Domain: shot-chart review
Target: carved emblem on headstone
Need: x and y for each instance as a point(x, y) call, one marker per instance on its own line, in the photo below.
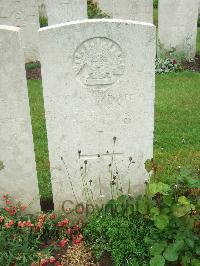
point(98, 62)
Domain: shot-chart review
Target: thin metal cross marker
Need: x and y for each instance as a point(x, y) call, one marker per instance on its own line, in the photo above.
point(100, 154)
point(97, 156)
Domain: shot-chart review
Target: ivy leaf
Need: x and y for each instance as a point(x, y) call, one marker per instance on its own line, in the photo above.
point(170, 253)
point(161, 221)
point(158, 248)
point(158, 260)
point(180, 210)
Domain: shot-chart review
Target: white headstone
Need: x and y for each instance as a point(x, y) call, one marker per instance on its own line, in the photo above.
point(139, 10)
point(23, 14)
point(177, 26)
point(99, 100)
point(18, 169)
point(61, 11)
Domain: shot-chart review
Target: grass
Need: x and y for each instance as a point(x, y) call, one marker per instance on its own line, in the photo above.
point(177, 117)
point(40, 137)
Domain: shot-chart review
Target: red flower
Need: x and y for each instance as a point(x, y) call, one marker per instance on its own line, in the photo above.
point(1, 219)
point(76, 227)
point(65, 221)
point(63, 242)
point(43, 262)
point(52, 259)
point(53, 216)
point(78, 240)
point(69, 231)
point(174, 62)
point(7, 209)
point(5, 197)
point(7, 225)
point(11, 222)
point(8, 202)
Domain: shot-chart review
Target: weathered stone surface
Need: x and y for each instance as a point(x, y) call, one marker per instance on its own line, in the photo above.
point(98, 80)
point(20, 14)
point(177, 27)
point(61, 11)
point(139, 10)
point(18, 170)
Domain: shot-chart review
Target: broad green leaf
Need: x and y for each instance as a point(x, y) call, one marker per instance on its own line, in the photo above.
point(195, 262)
point(158, 248)
point(178, 244)
point(158, 260)
point(183, 200)
point(168, 200)
point(159, 187)
point(189, 242)
point(161, 221)
point(170, 253)
point(154, 211)
point(180, 210)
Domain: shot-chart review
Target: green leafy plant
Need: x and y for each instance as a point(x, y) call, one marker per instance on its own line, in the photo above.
point(166, 65)
point(119, 230)
point(158, 228)
point(43, 22)
point(174, 210)
point(94, 11)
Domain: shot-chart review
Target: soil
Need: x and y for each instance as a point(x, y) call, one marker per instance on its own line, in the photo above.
point(106, 260)
point(192, 66)
point(34, 73)
point(47, 205)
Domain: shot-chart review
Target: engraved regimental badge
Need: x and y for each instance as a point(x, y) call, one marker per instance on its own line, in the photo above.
point(98, 62)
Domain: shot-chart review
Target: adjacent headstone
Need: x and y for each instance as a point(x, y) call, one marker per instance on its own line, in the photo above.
point(42, 8)
point(17, 160)
point(61, 11)
point(177, 27)
point(99, 102)
point(139, 10)
point(23, 14)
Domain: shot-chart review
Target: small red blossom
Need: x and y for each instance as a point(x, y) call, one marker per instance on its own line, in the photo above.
point(52, 259)
point(69, 231)
point(43, 262)
point(53, 216)
point(5, 197)
point(8, 202)
point(76, 227)
point(7, 209)
point(63, 242)
point(174, 62)
point(1, 219)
